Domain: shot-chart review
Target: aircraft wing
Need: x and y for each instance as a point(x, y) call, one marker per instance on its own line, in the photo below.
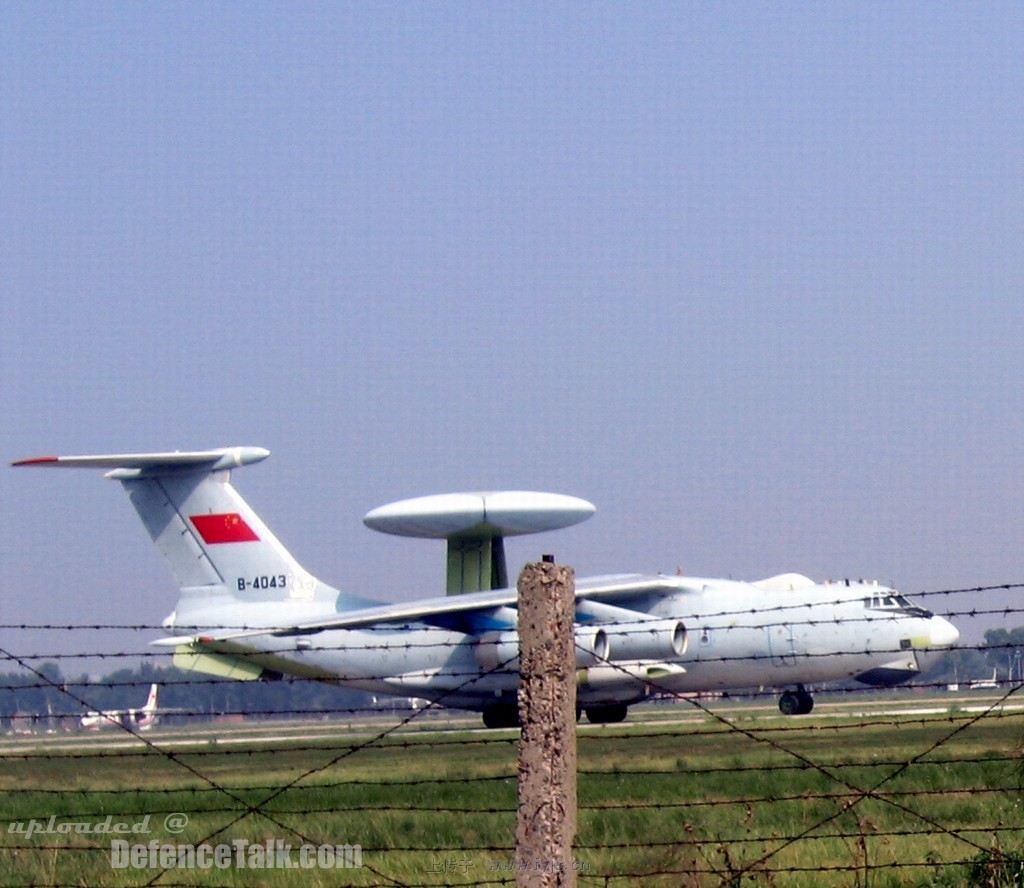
point(444, 610)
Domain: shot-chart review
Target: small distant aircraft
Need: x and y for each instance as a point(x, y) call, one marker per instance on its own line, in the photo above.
point(140, 719)
point(985, 684)
point(248, 610)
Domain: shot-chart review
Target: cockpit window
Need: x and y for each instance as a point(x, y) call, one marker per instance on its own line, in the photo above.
point(896, 603)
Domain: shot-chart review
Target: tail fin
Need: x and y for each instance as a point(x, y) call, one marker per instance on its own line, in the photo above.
point(232, 571)
point(148, 716)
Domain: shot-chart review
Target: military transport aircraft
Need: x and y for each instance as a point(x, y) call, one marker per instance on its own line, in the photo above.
point(138, 719)
point(248, 610)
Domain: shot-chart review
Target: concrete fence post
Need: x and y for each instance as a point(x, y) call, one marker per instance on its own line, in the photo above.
point(546, 823)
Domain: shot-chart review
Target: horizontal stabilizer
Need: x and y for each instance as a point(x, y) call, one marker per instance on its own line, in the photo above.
point(154, 463)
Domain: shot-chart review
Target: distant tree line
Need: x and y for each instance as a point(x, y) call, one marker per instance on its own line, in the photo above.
point(188, 694)
point(1002, 654)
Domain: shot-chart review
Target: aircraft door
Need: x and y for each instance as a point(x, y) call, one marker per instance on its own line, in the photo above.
point(781, 644)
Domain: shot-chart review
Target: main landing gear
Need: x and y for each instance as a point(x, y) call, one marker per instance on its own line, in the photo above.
point(506, 715)
point(607, 715)
point(797, 702)
point(501, 715)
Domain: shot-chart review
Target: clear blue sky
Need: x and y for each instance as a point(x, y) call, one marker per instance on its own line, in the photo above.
point(746, 276)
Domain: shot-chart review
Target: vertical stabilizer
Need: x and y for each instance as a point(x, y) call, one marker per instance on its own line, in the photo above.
point(148, 716)
point(232, 571)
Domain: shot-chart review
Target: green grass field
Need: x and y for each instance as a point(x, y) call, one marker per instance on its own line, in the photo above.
point(752, 801)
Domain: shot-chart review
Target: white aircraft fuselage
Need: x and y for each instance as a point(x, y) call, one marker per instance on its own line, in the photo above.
point(737, 636)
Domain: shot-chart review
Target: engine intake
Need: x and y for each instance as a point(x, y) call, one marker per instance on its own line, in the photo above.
point(500, 650)
point(645, 640)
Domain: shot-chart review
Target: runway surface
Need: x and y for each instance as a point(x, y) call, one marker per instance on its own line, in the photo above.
point(361, 728)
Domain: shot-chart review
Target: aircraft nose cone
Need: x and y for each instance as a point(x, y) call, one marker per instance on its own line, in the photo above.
point(943, 633)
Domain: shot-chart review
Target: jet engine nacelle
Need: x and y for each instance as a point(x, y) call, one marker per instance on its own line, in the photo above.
point(645, 640)
point(623, 681)
point(500, 650)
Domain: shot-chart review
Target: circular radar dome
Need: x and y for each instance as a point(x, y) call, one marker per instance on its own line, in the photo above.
point(497, 514)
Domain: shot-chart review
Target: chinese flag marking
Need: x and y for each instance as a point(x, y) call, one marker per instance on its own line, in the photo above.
point(226, 528)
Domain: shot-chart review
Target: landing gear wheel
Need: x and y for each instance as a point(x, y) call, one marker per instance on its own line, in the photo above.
point(788, 704)
point(606, 715)
point(501, 715)
point(797, 702)
point(806, 702)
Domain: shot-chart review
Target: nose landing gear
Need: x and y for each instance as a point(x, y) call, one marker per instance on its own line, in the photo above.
point(798, 702)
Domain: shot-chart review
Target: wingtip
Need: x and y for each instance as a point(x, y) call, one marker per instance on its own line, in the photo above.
point(36, 461)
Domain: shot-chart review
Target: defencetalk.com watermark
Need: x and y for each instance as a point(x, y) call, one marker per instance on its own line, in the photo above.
point(236, 854)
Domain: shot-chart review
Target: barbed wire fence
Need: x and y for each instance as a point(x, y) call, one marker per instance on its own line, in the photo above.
point(709, 795)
